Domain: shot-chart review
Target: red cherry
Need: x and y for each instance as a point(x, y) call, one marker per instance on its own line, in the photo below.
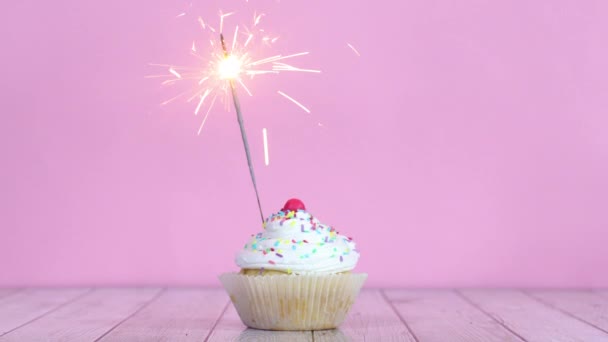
point(293, 205)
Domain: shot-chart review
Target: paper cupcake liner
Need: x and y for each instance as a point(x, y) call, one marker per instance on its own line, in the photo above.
point(293, 302)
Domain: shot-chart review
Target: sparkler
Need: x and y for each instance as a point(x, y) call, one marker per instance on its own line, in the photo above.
point(226, 70)
point(230, 67)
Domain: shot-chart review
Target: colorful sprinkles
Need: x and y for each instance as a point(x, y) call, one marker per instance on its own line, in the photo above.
point(320, 235)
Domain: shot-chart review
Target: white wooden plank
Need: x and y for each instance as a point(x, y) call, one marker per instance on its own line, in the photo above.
point(370, 318)
point(336, 335)
point(601, 292)
point(584, 305)
point(531, 319)
point(7, 292)
point(442, 315)
point(26, 306)
point(230, 328)
point(86, 318)
point(177, 315)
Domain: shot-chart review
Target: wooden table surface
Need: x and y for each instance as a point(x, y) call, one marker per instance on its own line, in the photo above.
point(199, 314)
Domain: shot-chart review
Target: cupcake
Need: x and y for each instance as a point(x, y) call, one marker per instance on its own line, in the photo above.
point(295, 275)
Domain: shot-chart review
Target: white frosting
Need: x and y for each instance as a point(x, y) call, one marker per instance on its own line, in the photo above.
point(296, 242)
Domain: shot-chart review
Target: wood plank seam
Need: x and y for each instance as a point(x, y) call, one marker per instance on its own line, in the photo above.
point(499, 321)
point(392, 306)
point(569, 314)
point(70, 301)
point(143, 306)
point(219, 318)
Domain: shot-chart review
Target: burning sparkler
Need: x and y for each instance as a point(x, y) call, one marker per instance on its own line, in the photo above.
point(230, 70)
point(225, 69)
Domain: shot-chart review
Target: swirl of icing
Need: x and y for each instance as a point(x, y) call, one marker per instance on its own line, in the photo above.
point(293, 241)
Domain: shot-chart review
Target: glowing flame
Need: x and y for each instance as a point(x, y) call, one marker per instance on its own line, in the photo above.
point(229, 68)
point(222, 67)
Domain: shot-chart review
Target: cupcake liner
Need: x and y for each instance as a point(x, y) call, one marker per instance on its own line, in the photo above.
point(293, 302)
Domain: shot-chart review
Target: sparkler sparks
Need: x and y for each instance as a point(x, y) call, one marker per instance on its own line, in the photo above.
point(294, 101)
point(223, 70)
point(354, 50)
point(265, 134)
point(229, 68)
point(212, 79)
point(175, 73)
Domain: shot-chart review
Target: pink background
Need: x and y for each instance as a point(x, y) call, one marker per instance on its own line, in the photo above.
point(467, 146)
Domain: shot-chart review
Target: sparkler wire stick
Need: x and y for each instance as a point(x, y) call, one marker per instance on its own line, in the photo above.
point(239, 117)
